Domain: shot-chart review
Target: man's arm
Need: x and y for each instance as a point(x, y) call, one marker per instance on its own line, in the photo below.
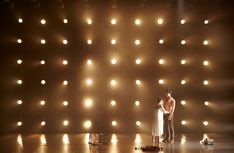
point(172, 110)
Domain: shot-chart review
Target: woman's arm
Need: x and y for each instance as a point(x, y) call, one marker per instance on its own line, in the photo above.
point(163, 109)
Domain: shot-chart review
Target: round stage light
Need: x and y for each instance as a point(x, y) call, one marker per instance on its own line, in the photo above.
point(89, 41)
point(113, 82)
point(65, 41)
point(43, 123)
point(114, 123)
point(160, 21)
point(20, 20)
point(65, 21)
point(182, 21)
point(161, 41)
point(43, 82)
point(113, 41)
point(205, 42)
point(19, 123)
point(89, 62)
point(183, 62)
point(65, 103)
point(42, 62)
point(89, 21)
point(42, 102)
point(161, 81)
point(205, 123)
point(205, 63)
point(113, 102)
point(43, 21)
point(183, 122)
point(206, 103)
point(138, 82)
point(113, 61)
point(65, 82)
point(65, 62)
point(88, 102)
point(87, 124)
point(19, 81)
point(137, 22)
point(205, 82)
point(43, 41)
point(138, 123)
point(183, 42)
point(137, 103)
point(183, 102)
point(183, 82)
point(161, 61)
point(19, 102)
point(137, 42)
point(65, 122)
point(19, 41)
point(113, 21)
point(89, 82)
point(138, 61)
point(206, 21)
point(19, 61)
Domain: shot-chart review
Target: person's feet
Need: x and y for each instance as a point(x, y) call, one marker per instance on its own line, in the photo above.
point(172, 141)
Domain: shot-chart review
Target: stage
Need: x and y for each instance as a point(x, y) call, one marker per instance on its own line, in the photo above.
point(113, 143)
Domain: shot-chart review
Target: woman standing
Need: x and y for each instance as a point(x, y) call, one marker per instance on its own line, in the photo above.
point(157, 129)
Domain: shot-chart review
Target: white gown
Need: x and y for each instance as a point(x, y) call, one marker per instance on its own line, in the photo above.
point(157, 129)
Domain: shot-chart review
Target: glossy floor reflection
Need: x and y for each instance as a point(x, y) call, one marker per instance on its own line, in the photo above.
point(115, 143)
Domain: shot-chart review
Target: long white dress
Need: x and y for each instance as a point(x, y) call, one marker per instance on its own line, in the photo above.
point(157, 129)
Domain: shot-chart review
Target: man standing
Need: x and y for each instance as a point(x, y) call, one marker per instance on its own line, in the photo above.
point(169, 105)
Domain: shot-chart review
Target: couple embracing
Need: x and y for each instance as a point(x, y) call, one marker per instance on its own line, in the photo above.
point(163, 119)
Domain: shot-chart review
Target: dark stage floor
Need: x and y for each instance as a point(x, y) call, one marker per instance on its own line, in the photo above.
point(119, 143)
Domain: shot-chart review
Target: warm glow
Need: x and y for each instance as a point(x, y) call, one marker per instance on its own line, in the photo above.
point(161, 61)
point(183, 82)
point(182, 21)
point(65, 103)
point(87, 124)
point(183, 122)
point(113, 21)
point(137, 103)
point(206, 21)
point(137, 21)
point(43, 81)
point(43, 123)
point(65, 41)
point(88, 102)
point(161, 81)
point(42, 62)
point(19, 61)
point(113, 41)
point(160, 21)
point(43, 21)
point(205, 42)
point(206, 103)
point(42, 102)
point(138, 82)
point(19, 102)
point(114, 139)
point(89, 41)
point(138, 123)
point(89, 21)
point(183, 102)
point(161, 41)
point(43, 139)
point(20, 20)
point(19, 41)
point(205, 123)
point(89, 82)
point(65, 139)
point(19, 81)
point(138, 139)
point(138, 61)
point(137, 42)
point(183, 62)
point(19, 123)
point(89, 62)
point(205, 82)
point(205, 63)
point(65, 82)
point(183, 42)
point(114, 123)
point(43, 41)
point(113, 103)
point(113, 83)
point(65, 122)
point(65, 21)
point(113, 61)
point(65, 62)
